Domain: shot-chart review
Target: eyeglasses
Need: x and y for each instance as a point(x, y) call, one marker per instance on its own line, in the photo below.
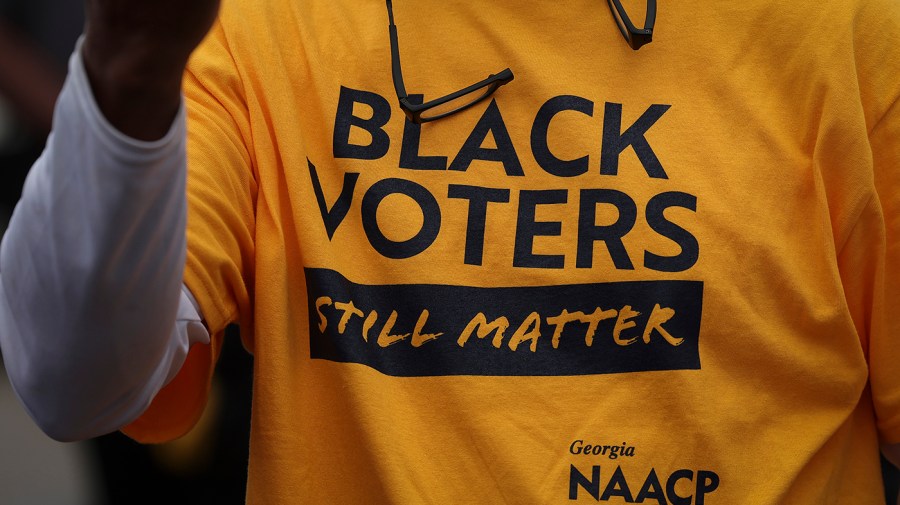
point(463, 99)
point(636, 37)
point(446, 105)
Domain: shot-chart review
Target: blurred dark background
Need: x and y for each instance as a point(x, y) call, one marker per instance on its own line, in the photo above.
point(36, 38)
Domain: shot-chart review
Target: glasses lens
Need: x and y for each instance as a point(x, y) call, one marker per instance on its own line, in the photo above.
point(457, 103)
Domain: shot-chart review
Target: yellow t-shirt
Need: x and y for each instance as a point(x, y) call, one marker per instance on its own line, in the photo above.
point(661, 277)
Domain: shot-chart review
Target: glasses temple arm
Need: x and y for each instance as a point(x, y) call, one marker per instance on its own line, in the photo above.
point(396, 71)
point(650, 19)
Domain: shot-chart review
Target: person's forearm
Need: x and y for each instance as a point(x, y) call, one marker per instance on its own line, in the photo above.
point(91, 270)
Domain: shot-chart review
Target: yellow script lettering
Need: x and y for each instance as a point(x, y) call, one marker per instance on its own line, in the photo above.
point(530, 329)
point(657, 318)
point(419, 338)
point(560, 322)
point(593, 321)
point(368, 323)
point(322, 301)
point(623, 323)
point(480, 323)
point(385, 338)
point(349, 310)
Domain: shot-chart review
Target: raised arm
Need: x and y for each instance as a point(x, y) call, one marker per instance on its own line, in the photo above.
point(91, 266)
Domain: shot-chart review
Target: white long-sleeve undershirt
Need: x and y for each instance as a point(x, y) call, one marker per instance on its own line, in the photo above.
point(94, 318)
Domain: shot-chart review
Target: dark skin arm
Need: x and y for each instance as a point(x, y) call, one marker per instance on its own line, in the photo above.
point(135, 53)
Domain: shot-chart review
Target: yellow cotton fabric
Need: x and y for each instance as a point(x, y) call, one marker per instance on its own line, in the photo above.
point(783, 123)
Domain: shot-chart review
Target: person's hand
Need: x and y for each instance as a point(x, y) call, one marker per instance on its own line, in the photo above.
point(135, 52)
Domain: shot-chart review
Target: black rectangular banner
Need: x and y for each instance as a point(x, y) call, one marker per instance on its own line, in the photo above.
point(417, 330)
